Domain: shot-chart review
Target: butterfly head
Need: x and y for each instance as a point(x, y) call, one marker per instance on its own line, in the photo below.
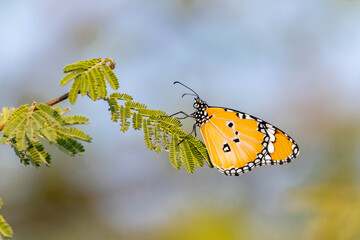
point(200, 115)
point(199, 104)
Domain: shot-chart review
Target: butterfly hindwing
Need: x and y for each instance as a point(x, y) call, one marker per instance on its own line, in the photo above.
point(238, 142)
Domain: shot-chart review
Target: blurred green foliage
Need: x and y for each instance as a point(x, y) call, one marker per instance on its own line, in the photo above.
point(331, 199)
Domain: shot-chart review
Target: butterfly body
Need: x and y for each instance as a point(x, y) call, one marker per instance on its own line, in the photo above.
point(237, 142)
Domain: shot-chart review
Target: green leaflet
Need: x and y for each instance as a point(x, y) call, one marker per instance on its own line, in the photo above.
point(174, 152)
point(50, 114)
point(37, 154)
point(48, 133)
point(84, 85)
point(137, 120)
point(14, 120)
point(90, 77)
point(147, 137)
point(81, 65)
point(27, 124)
point(67, 78)
point(114, 109)
point(125, 113)
point(5, 229)
point(69, 145)
point(20, 134)
point(121, 96)
point(200, 147)
point(198, 160)
point(110, 76)
point(93, 86)
point(100, 80)
point(6, 112)
point(165, 140)
point(187, 157)
point(76, 133)
point(152, 113)
point(74, 90)
point(76, 119)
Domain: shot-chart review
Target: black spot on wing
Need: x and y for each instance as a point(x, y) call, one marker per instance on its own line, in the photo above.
point(226, 148)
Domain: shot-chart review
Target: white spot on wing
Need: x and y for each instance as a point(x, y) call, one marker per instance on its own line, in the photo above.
point(272, 136)
point(271, 147)
point(267, 157)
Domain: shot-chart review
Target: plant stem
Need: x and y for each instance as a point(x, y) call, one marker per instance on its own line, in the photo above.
point(57, 100)
point(50, 103)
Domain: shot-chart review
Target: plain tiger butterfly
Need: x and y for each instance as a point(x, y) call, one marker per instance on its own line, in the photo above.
point(236, 141)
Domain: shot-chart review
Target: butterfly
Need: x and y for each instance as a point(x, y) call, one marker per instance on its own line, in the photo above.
point(238, 142)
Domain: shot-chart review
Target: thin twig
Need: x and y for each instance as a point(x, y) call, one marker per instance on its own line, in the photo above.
point(57, 100)
point(50, 103)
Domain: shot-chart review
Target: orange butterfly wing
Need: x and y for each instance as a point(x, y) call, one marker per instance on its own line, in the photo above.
point(238, 142)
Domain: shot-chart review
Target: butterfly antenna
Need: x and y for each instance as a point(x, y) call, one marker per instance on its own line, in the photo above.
point(187, 88)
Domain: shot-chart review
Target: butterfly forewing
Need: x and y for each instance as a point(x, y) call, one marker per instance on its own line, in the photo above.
point(237, 142)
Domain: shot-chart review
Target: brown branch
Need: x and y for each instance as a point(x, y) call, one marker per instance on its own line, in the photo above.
point(50, 103)
point(57, 100)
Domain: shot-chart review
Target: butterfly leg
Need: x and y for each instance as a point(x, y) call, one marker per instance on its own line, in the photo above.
point(181, 112)
point(193, 131)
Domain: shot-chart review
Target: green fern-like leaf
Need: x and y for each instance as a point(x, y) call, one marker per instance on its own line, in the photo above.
point(37, 154)
point(125, 113)
point(137, 120)
point(110, 76)
point(158, 128)
point(200, 147)
point(147, 138)
point(28, 124)
point(198, 159)
point(5, 229)
point(93, 85)
point(76, 119)
point(67, 78)
point(48, 133)
point(81, 65)
point(174, 152)
point(20, 134)
point(90, 77)
point(152, 113)
point(100, 80)
point(136, 105)
point(6, 112)
point(69, 145)
point(84, 85)
point(76, 133)
point(158, 148)
point(74, 91)
point(50, 114)
point(121, 96)
point(114, 109)
point(165, 140)
point(187, 157)
point(15, 119)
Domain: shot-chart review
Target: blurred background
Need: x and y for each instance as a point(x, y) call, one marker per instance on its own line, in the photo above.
point(294, 64)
